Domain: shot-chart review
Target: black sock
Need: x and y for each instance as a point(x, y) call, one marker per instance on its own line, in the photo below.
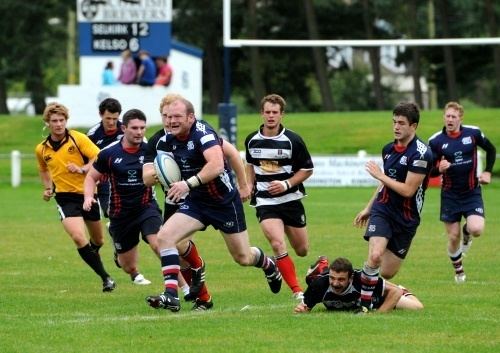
point(95, 247)
point(93, 260)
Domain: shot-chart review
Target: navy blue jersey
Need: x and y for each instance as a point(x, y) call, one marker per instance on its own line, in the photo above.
point(415, 158)
point(129, 195)
point(276, 158)
point(461, 152)
point(100, 138)
point(319, 291)
point(189, 156)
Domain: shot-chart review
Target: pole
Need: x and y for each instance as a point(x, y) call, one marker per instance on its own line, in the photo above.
point(15, 164)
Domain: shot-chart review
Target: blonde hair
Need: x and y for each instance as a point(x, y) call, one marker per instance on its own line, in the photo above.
point(456, 106)
point(168, 99)
point(55, 108)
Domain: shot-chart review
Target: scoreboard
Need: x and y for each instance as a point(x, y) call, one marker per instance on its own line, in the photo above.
point(107, 27)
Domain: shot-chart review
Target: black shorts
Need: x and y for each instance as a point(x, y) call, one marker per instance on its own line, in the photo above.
point(126, 232)
point(454, 206)
point(291, 213)
point(400, 237)
point(70, 204)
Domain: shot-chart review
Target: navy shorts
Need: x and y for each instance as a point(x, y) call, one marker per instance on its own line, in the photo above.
point(103, 197)
point(291, 213)
point(229, 218)
point(400, 237)
point(70, 204)
point(126, 232)
point(454, 206)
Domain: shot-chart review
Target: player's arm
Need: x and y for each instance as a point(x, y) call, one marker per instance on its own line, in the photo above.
point(48, 191)
point(491, 153)
point(392, 294)
point(213, 167)
point(149, 174)
point(236, 163)
point(89, 184)
point(406, 189)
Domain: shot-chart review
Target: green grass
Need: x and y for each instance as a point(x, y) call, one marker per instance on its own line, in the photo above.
point(324, 133)
point(51, 302)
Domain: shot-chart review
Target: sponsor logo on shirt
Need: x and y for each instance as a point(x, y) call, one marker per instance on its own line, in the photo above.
point(403, 160)
point(467, 140)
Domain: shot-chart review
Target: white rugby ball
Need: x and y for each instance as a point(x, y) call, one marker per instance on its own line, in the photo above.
point(167, 170)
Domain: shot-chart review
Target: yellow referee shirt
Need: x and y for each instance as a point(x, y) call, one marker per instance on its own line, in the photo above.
point(75, 148)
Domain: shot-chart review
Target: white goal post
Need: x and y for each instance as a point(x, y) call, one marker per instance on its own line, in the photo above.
point(230, 42)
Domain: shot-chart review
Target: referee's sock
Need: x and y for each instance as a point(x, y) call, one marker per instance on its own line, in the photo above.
point(92, 259)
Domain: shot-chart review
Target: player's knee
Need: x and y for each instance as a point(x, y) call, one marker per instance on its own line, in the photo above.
point(302, 251)
point(475, 230)
point(242, 259)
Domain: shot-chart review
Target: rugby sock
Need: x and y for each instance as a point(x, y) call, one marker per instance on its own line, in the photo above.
point(186, 273)
point(456, 261)
point(95, 247)
point(170, 269)
point(192, 256)
point(264, 262)
point(369, 279)
point(287, 268)
point(92, 259)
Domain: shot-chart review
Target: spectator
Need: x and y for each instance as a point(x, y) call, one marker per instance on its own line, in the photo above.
point(164, 71)
point(128, 69)
point(108, 77)
point(147, 71)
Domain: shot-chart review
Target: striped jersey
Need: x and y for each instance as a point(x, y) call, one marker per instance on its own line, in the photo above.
point(102, 139)
point(276, 158)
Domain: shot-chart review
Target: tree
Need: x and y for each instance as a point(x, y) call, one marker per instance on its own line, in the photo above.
point(374, 53)
point(319, 58)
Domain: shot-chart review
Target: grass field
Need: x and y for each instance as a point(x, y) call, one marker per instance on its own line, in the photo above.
point(50, 302)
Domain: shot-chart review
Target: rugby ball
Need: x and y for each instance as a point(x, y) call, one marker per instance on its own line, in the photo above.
point(167, 170)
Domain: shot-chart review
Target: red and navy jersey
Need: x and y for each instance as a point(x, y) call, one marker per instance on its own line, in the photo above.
point(319, 291)
point(101, 139)
point(276, 158)
point(415, 158)
point(188, 154)
point(129, 195)
point(461, 151)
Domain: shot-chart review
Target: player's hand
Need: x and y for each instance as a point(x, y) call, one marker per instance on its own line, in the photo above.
point(485, 178)
point(87, 203)
point(374, 170)
point(178, 191)
point(443, 165)
point(47, 194)
point(245, 192)
point(73, 168)
point(361, 218)
point(277, 187)
point(301, 308)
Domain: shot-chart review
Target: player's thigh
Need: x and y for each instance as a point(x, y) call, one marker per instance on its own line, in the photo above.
point(75, 227)
point(273, 229)
point(239, 247)
point(390, 264)
point(299, 239)
point(95, 231)
point(177, 228)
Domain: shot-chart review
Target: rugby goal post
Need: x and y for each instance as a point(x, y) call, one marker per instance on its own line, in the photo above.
point(236, 43)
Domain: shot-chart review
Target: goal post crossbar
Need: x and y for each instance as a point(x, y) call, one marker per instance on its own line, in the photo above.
point(230, 42)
